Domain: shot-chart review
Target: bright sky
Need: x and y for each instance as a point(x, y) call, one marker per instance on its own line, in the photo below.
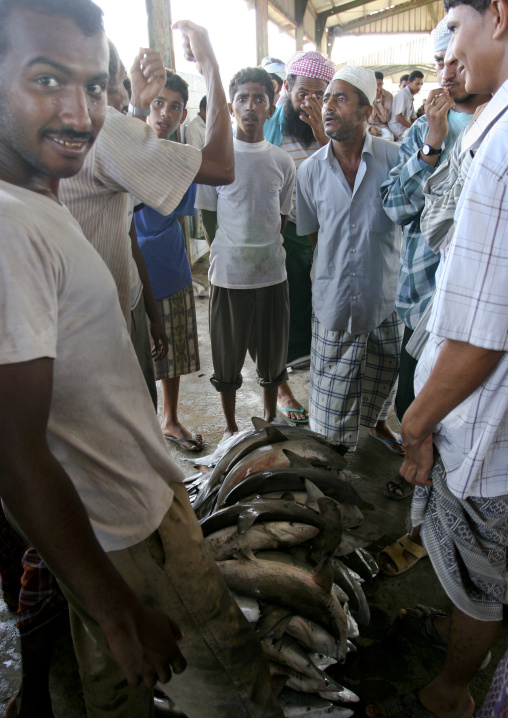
point(232, 31)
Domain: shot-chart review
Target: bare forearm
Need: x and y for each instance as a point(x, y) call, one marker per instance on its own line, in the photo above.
point(460, 369)
point(148, 298)
point(218, 165)
point(402, 120)
point(313, 239)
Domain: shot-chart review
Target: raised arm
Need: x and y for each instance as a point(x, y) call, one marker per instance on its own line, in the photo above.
point(41, 497)
point(218, 163)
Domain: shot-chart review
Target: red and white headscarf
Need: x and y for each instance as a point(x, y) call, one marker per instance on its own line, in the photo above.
point(310, 64)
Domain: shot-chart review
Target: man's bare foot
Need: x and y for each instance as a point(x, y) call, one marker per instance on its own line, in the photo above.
point(175, 431)
point(19, 708)
point(228, 433)
point(441, 624)
point(392, 440)
point(286, 400)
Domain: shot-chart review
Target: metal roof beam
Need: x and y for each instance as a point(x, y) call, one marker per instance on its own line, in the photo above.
point(342, 8)
point(339, 30)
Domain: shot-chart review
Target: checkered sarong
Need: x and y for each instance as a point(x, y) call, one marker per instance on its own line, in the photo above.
point(353, 378)
point(40, 598)
point(467, 543)
point(178, 314)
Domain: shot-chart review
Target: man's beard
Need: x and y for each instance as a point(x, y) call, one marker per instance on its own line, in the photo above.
point(296, 128)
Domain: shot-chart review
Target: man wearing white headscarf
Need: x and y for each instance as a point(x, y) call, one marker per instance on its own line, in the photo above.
point(428, 143)
point(356, 333)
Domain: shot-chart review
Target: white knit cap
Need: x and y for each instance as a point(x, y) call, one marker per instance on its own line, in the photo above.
point(441, 35)
point(360, 77)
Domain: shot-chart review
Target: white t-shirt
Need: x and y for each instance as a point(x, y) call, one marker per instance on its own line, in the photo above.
point(59, 300)
point(247, 251)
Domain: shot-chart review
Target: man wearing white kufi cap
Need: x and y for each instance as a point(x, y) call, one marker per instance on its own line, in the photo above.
point(356, 333)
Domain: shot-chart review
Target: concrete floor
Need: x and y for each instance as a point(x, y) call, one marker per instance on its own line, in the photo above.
point(384, 664)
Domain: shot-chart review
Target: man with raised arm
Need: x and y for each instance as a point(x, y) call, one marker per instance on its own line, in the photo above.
point(79, 475)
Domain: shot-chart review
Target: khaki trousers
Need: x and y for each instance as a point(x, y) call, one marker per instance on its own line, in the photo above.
point(172, 571)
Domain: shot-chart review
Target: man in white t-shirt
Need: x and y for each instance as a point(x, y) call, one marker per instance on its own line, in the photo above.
point(403, 111)
point(78, 475)
point(249, 301)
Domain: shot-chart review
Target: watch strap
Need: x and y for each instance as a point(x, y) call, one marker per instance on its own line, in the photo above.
point(138, 111)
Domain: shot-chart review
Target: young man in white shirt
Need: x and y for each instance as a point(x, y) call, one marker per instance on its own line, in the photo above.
point(249, 302)
point(77, 473)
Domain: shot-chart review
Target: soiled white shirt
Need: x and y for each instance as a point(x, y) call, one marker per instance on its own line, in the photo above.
point(356, 261)
point(403, 104)
point(195, 132)
point(471, 305)
point(126, 157)
point(247, 251)
point(58, 300)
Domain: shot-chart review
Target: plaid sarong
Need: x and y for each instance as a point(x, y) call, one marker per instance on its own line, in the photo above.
point(40, 598)
point(178, 315)
point(353, 378)
point(467, 543)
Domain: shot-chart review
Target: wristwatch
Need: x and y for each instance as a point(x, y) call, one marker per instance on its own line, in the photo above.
point(428, 150)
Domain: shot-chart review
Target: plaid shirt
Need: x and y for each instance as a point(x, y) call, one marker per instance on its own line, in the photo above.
point(471, 305)
point(403, 200)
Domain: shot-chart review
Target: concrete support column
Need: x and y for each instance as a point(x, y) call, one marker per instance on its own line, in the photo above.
point(300, 7)
point(261, 29)
point(160, 34)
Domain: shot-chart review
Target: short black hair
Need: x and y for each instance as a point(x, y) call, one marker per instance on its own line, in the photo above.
point(114, 62)
point(403, 78)
point(363, 100)
point(277, 79)
point(379, 75)
point(128, 86)
point(252, 74)
point(85, 13)
point(478, 5)
point(415, 74)
point(177, 84)
point(202, 103)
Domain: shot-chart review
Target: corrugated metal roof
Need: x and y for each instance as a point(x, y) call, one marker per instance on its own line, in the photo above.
point(357, 17)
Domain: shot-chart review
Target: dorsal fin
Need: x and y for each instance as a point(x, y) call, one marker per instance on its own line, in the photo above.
point(244, 554)
point(246, 519)
point(297, 462)
point(323, 575)
point(313, 493)
point(259, 423)
point(274, 435)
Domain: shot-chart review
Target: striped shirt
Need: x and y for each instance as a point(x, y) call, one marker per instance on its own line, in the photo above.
point(127, 157)
point(299, 153)
point(471, 306)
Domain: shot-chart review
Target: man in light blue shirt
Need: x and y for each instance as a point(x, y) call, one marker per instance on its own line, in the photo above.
point(356, 332)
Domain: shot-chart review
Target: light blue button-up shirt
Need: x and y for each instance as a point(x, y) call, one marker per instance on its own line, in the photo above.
point(356, 262)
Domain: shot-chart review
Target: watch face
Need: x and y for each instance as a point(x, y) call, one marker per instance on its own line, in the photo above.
point(425, 149)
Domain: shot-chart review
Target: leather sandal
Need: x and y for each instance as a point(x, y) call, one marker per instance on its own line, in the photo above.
point(395, 551)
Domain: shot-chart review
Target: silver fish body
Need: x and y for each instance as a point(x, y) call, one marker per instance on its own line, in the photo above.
point(226, 542)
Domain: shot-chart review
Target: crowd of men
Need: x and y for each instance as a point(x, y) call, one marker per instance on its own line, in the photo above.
point(306, 205)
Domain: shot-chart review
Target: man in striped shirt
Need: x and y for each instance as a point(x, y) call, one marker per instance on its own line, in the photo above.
point(297, 127)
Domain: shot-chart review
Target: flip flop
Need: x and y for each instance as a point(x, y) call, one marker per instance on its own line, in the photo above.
point(183, 441)
point(390, 442)
point(399, 483)
point(418, 626)
point(407, 706)
point(395, 551)
point(301, 410)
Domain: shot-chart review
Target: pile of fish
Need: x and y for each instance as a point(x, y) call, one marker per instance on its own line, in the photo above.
point(277, 506)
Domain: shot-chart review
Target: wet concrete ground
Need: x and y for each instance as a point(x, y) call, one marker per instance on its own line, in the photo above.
point(385, 664)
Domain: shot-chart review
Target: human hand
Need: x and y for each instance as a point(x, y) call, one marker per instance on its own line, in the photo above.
point(374, 131)
point(144, 644)
point(379, 93)
point(148, 76)
point(312, 108)
point(161, 342)
point(196, 45)
point(419, 458)
point(438, 104)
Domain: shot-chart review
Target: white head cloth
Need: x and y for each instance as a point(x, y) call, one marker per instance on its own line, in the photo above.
point(441, 35)
point(277, 68)
point(360, 77)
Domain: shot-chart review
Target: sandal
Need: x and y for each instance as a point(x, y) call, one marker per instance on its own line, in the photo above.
point(418, 626)
point(400, 484)
point(395, 552)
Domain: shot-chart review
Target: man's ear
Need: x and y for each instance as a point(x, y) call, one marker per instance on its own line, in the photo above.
point(270, 112)
point(184, 116)
point(499, 11)
point(366, 112)
point(285, 85)
point(230, 108)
